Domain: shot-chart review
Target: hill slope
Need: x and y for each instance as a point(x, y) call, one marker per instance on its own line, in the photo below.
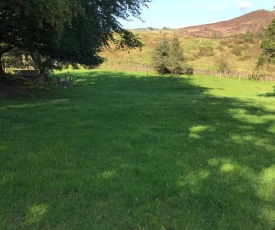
point(252, 22)
point(203, 50)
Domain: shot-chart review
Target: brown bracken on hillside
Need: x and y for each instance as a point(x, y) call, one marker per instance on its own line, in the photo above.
point(251, 22)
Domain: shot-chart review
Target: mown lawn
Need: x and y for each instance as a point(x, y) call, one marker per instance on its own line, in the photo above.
point(127, 151)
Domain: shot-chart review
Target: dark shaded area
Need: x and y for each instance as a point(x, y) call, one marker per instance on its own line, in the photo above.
point(153, 152)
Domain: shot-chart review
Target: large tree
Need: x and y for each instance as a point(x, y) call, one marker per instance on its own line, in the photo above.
point(66, 30)
point(268, 46)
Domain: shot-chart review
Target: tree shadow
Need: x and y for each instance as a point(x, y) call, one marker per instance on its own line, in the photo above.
point(269, 94)
point(134, 152)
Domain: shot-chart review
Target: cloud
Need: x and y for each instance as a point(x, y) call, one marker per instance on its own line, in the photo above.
point(244, 5)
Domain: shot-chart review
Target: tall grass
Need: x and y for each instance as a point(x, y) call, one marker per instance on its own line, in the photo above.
point(127, 151)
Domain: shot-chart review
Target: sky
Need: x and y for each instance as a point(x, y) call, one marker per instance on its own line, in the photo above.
point(183, 13)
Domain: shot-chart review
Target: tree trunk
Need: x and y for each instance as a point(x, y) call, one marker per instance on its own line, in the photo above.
point(2, 71)
point(3, 49)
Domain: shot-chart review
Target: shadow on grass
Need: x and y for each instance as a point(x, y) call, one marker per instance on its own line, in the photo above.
point(268, 94)
point(134, 152)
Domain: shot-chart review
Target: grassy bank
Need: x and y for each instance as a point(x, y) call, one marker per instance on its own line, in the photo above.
point(131, 151)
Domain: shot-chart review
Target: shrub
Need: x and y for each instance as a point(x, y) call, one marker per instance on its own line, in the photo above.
point(206, 51)
point(249, 40)
point(223, 63)
point(237, 50)
point(220, 48)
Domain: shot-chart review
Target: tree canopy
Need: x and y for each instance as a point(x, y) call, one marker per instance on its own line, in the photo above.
point(177, 60)
point(160, 56)
point(268, 45)
point(168, 57)
point(67, 30)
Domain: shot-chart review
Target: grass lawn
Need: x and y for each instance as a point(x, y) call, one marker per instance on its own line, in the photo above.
point(127, 151)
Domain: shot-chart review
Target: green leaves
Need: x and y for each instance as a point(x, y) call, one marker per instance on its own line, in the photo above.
point(160, 57)
point(68, 31)
point(268, 46)
point(168, 57)
point(177, 59)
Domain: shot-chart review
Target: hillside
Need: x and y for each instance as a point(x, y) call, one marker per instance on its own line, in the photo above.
point(251, 22)
point(202, 51)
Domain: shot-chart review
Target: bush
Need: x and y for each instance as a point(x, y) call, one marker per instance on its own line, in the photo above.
point(220, 48)
point(223, 63)
point(237, 50)
point(249, 40)
point(206, 51)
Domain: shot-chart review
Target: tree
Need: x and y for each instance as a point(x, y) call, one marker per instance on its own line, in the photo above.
point(67, 31)
point(33, 25)
point(160, 57)
point(176, 63)
point(168, 57)
point(268, 46)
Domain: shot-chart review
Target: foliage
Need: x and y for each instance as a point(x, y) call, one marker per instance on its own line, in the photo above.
point(176, 62)
point(205, 51)
point(249, 38)
point(14, 59)
point(237, 50)
point(160, 57)
point(44, 63)
point(223, 63)
point(167, 57)
point(268, 46)
point(67, 31)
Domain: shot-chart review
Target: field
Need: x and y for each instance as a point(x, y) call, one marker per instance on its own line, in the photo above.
point(130, 151)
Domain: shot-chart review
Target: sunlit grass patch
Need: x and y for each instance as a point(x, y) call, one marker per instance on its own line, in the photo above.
point(35, 214)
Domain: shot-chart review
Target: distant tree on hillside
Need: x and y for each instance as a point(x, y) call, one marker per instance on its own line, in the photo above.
point(160, 57)
point(168, 57)
point(176, 62)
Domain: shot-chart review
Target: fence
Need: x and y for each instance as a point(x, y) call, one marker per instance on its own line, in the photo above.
point(234, 74)
point(204, 72)
point(63, 80)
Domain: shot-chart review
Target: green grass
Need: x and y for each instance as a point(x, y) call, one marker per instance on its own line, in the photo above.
point(127, 151)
